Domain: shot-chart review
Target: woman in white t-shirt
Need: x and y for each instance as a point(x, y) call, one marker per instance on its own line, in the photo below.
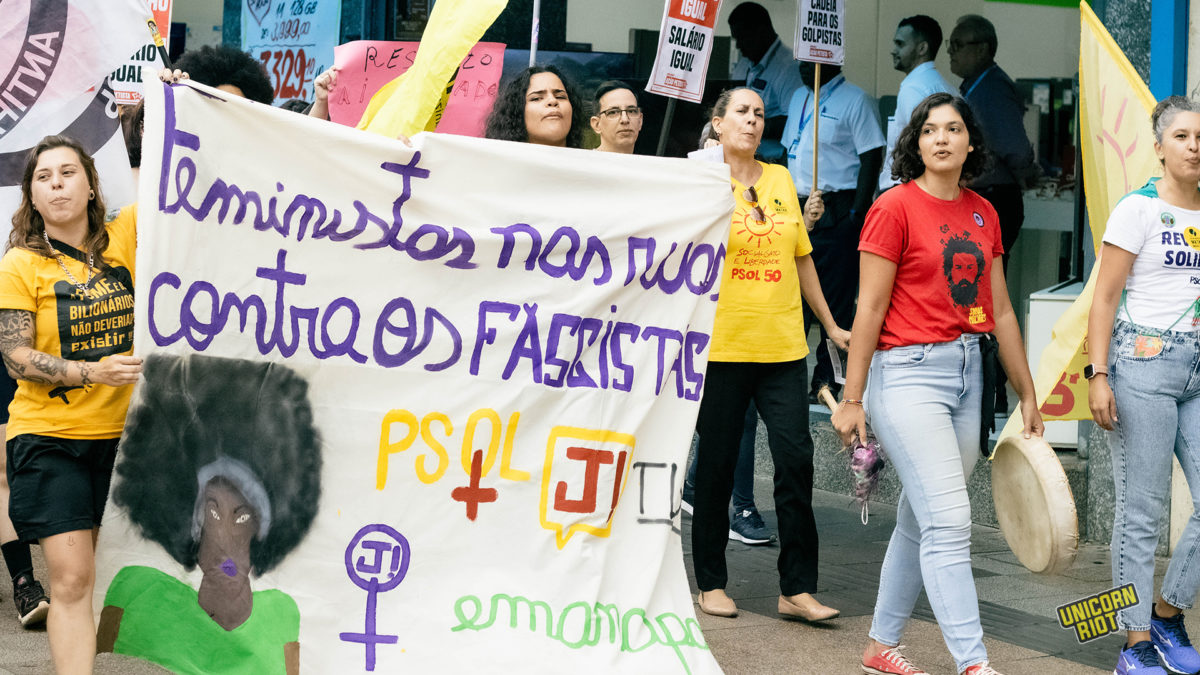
point(1144, 383)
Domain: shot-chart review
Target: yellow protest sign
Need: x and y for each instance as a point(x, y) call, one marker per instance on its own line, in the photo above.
point(1117, 144)
point(406, 104)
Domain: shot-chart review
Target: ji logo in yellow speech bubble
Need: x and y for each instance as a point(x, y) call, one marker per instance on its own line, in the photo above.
point(582, 480)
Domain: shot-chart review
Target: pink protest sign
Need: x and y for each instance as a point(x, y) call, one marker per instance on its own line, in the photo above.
point(366, 65)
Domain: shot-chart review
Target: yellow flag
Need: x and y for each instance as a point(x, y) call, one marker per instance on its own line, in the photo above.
point(406, 104)
point(1117, 145)
point(1114, 115)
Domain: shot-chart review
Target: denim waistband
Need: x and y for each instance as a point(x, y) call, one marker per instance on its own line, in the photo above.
point(1128, 327)
point(966, 339)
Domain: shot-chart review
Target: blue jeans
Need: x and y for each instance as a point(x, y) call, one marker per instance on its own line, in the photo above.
point(1158, 413)
point(923, 403)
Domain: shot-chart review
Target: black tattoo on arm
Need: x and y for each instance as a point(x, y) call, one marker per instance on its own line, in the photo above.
point(22, 360)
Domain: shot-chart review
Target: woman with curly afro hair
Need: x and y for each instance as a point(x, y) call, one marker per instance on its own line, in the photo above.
point(228, 69)
point(540, 106)
point(221, 466)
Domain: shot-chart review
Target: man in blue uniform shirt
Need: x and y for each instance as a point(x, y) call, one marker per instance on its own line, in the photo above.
point(767, 67)
point(1000, 111)
point(850, 153)
point(914, 48)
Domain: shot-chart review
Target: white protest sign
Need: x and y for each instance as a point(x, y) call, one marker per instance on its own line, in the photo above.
point(447, 392)
point(127, 79)
point(294, 39)
point(820, 31)
point(684, 47)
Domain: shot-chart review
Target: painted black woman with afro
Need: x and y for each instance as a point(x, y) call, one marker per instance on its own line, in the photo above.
point(220, 466)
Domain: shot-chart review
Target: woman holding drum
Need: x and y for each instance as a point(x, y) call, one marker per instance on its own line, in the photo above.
point(931, 283)
point(1144, 383)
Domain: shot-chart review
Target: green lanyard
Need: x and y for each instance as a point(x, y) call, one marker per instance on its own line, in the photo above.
point(1193, 309)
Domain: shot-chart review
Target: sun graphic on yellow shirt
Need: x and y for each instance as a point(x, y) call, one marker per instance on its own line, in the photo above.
point(757, 233)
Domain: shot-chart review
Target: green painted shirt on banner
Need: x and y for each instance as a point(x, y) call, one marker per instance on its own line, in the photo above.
point(164, 623)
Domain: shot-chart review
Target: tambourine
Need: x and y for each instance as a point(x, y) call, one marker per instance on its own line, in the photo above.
point(1034, 504)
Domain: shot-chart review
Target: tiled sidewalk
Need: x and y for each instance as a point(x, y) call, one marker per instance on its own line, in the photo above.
point(1017, 607)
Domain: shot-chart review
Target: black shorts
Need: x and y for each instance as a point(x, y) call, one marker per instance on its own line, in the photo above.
point(57, 485)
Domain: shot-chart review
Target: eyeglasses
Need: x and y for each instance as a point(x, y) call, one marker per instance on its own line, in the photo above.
point(634, 112)
point(956, 45)
point(756, 212)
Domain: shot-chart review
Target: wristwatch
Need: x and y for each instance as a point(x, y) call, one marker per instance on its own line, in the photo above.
point(1091, 370)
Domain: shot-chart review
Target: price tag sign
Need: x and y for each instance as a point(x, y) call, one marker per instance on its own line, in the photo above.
point(294, 39)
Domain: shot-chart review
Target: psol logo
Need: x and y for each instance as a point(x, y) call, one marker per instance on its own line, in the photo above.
point(1167, 219)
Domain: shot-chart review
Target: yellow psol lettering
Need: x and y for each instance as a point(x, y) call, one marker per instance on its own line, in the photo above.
point(506, 471)
point(387, 447)
point(437, 442)
point(468, 444)
point(434, 444)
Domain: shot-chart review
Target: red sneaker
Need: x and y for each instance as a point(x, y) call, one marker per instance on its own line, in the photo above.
point(891, 662)
point(980, 669)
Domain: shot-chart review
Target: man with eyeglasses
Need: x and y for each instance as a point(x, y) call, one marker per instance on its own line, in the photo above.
point(914, 48)
point(1000, 111)
point(618, 119)
point(850, 151)
point(766, 67)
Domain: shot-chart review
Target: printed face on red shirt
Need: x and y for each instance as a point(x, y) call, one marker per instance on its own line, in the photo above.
point(962, 263)
point(964, 269)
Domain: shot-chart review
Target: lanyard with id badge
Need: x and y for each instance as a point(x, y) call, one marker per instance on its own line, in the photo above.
point(1149, 342)
point(806, 116)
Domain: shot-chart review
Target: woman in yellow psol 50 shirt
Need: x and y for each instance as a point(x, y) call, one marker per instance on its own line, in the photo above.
point(757, 353)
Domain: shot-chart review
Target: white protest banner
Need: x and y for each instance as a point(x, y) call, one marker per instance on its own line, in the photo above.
point(54, 57)
point(429, 416)
point(820, 31)
point(127, 78)
point(294, 39)
point(684, 47)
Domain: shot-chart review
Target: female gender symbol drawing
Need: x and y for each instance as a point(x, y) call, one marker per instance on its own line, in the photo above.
point(369, 550)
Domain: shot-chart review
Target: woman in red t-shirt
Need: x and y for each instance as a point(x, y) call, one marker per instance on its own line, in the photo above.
point(931, 282)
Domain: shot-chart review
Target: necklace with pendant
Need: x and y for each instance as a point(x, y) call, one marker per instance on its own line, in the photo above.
point(71, 277)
